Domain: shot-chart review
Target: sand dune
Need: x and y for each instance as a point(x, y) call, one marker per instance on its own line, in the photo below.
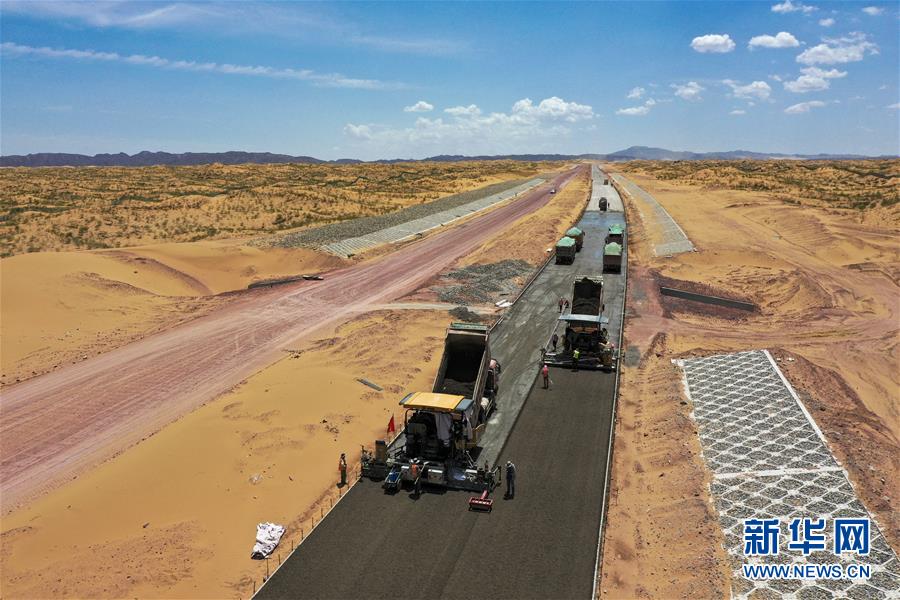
point(59, 307)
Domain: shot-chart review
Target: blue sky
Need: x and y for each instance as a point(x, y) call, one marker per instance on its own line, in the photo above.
point(369, 81)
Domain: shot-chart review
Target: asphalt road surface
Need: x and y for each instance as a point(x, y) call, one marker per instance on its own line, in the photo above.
point(57, 424)
point(542, 543)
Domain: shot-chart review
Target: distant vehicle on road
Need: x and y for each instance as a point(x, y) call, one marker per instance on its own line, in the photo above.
point(553, 191)
point(603, 203)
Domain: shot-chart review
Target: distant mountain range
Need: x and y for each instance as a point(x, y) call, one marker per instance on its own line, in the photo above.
point(147, 159)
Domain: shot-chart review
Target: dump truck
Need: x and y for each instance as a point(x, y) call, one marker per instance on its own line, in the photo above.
point(442, 429)
point(587, 295)
point(467, 370)
point(612, 258)
point(565, 251)
point(616, 234)
point(577, 235)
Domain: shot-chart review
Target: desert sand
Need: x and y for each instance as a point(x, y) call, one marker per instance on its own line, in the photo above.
point(175, 516)
point(824, 279)
point(59, 307)
point(77, 208)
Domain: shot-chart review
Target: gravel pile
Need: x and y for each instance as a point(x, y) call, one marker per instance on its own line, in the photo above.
point(335, 232)
point(461, 313)
point(483, 283)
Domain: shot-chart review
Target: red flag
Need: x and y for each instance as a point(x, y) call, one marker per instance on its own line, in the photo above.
point(391, 427)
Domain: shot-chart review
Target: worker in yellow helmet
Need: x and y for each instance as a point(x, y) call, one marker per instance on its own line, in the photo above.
point(575, 356)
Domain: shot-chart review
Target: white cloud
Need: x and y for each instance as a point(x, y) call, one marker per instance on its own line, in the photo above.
point(420, 106)
point(318, 79)
point(895, 106)
point(636, 93)
point(463, 111)
point(634, 111)
point(553, 108)
point(851, 48)
point(813, 79)
point(803, 107)
point(637, 111)
point(689, 91)
point(283, 19)
point(756, 90)
point(359, 132)
point(788, 7)
point(873, 11)
point(782, 39)
point(471, 131)
point(738, 111)
point(713, 42)
point(826, 22)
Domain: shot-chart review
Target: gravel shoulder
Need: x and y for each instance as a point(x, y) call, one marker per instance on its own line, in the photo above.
point(335, 232)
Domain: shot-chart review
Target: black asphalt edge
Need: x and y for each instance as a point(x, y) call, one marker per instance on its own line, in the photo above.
point(705, 299)
point(612, 423)
point(521, 293)
point(307, 536)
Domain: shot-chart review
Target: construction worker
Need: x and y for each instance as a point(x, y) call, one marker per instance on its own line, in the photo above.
point(566, 304)
point(510, 479)
point(560, 304)
point(575, 356)
point(414, 473)
point(342, 467)
point(545, 372)
point(553, 341)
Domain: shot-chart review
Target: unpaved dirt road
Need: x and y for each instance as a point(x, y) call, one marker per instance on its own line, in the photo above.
point(55, 425)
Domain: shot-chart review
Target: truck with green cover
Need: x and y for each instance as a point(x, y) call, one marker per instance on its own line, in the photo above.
point(612, 258)
point(578, 235)
point(565, 251)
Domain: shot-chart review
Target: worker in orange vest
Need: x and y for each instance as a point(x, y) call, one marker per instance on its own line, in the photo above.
point(342, 467)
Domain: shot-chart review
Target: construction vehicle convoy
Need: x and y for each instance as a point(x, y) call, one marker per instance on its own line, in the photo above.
point(584, 329)
point(565, 251)
point(442, 428)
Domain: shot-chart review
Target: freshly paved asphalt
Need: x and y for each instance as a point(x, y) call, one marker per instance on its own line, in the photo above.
point(543, 543)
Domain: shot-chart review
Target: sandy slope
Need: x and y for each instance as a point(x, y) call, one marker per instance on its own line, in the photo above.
point(826, 286)
point(59, 307)
point(193, 483)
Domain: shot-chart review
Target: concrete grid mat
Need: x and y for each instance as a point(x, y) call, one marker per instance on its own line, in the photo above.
point(769, 460)
point(406, 230)
point(674, 241)
point(599, 190)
